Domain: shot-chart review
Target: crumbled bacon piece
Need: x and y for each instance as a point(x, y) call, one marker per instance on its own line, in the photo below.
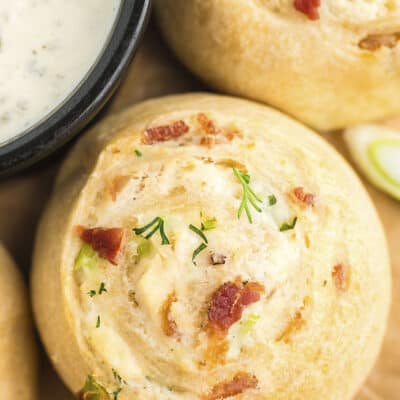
point(206, 123)
point(341, 277)
point(296, 322)
point(306, 198)
point(217, 259)
point(232, 134)
point(294, 325)
point(215, 353)
point(208, 141)
point(376, 41)
point(308, 7)
point(169, 326)
point(107, 242)
point(228, 302)
point(165, 132)
point(241, 381)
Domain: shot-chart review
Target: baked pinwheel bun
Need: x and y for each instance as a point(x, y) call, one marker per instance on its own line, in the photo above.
point(329, 63)
point(202, 247)
point(18, 367)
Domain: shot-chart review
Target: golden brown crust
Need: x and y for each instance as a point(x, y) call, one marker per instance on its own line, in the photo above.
point(18, 361)
point(333, 72)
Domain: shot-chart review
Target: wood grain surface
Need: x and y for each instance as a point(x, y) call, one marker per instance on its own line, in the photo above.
point(155, 72)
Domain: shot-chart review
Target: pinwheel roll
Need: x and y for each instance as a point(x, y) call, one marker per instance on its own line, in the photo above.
point(329, 63)
point(205, 247)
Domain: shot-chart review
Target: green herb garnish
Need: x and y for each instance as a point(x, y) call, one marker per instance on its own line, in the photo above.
point(138, 153)
point(117, 377)
point(102, 288)
point(247, 324)
point(202, 246)
point(120, 382)
point(157, 224)
point(272, 200)
point(198, 232)
point(144, 248)
point(98, 322)
point(86, 258)
point(93, 391)
point(198, 251)
point(248, 195)
point(116, 393)
point(286, 226)
point(208, 224)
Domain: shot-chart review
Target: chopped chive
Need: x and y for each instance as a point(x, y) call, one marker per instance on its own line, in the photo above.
point(93, 390)
point(272, 200)
point(138, 153)
point(144, 248)
point(198, 232)
point(198, 251)
point(98, 322)
point(209, 224)
point(116, 393)
point(102, 288)
point(287, 226)
point(157, 224)
point(139, 231)
point(164, 239)
point(91, 293)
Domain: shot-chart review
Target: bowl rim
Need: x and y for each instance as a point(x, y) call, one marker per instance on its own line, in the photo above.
point(87, 99)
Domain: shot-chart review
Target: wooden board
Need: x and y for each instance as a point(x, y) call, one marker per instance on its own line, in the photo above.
point(155, 72)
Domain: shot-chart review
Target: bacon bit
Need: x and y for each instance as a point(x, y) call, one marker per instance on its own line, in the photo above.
point(107, 242)
point(307, 198)
point(206, 123)
point(228, 302)
point(255, 287)
point(117, 184)
point(241, 381)
point(217, 259)
point(230, 135)
point(341, 277)
point(165, 132)
point(296, 323)
point(169, 326)
point(208, 141)
point(308, 7)
point(375, 42)
point(215, 353)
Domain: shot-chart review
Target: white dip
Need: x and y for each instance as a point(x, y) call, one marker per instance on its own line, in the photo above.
point(46, 49)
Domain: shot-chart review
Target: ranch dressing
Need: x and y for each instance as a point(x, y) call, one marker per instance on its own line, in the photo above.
point(46, 49)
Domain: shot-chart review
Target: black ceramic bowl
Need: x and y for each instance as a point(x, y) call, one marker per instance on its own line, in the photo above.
point(86, 101)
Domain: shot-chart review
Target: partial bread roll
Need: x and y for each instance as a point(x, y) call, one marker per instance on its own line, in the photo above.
point(201, 247)
point(329, 63)
point(18, 358)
